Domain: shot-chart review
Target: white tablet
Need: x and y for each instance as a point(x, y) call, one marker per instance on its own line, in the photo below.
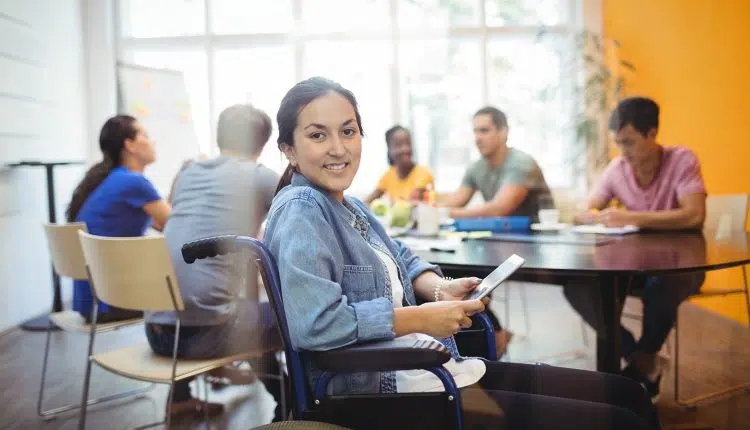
point(497, 277)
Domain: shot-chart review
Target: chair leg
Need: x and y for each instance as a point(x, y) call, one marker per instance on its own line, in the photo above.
point(584, 333)
point(282, 394)
point(206, 417)
point(506, 304)
point(692, 403)
point(676, 375)
point(86, 383)
point(747, 293)
point(168, 407)
point(524, 305)
point(39, 410)
point(52, 413)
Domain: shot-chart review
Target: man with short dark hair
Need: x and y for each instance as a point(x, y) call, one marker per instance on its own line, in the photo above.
point(659, 187)
point(510, 180)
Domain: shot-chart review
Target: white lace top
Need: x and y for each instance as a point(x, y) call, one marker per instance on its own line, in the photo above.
point(465, 372)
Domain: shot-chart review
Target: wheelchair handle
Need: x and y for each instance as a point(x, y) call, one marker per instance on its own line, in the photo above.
point(209, 247)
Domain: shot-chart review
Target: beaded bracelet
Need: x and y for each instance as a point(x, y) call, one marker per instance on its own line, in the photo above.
point(438, 287)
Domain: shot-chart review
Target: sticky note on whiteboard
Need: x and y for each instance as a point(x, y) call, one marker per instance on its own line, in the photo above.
point(140, 109)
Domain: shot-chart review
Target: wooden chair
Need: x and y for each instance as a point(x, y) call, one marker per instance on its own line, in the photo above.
point(68, 261)
point(137, 273)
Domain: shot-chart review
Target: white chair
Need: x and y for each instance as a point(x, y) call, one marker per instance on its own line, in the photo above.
point(68, 261)
point(725, 215)
point(137, 273)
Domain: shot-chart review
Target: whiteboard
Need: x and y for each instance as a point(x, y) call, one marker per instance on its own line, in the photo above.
point(158, 98)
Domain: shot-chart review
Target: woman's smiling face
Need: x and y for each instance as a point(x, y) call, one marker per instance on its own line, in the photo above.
point(327, 143)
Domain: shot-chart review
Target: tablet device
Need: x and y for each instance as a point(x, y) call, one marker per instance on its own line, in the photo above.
point(497, 277)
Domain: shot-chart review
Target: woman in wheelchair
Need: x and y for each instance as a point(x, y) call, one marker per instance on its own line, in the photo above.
point(344, 281)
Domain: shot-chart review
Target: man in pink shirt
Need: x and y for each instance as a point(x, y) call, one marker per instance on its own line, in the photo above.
point(660, 187)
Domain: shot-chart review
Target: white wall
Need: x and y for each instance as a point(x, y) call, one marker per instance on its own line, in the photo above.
point(42, 117)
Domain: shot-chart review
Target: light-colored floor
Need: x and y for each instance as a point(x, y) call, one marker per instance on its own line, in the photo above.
point(714, 352)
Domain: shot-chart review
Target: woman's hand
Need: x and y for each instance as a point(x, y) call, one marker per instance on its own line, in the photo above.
point(443, 319)
point(457, 289)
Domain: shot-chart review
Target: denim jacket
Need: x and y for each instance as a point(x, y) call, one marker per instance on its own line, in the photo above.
point(335, 288)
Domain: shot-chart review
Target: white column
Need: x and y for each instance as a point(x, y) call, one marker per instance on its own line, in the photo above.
point(100, 59)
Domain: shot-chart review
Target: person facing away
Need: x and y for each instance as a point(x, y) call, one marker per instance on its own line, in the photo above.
point(659, 187)
point(114, 199)
point(510, 181)
point(227, 194)
point(345, 281)
point(404, 180)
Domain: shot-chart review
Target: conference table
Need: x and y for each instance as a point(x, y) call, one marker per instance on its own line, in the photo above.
point(613, 260)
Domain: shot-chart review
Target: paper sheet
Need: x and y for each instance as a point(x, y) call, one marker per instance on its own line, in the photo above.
point(424, 244)
point(601, 229)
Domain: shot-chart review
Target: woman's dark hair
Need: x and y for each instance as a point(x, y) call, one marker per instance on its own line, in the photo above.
point(388, 134)
point(294, 101)
point(111, 141)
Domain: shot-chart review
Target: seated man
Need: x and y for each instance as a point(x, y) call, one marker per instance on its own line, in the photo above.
point(661, 188)
point(510, 181)
point(229, 194)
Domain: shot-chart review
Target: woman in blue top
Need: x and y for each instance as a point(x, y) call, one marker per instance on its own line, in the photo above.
point(115, 199)
point(344, 281)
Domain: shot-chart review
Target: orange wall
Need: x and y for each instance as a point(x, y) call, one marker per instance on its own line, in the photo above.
point(693, 58)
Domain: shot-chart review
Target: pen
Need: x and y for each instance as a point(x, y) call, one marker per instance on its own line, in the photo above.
point(434, 249)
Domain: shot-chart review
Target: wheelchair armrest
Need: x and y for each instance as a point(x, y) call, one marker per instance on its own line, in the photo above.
point(479, 340)
point(399, 354)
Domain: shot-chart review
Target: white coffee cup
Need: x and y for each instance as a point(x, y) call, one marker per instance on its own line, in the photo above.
point(428, 220)
point(549, 216)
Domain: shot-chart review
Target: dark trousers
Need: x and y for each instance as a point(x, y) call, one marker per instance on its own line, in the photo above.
point(545, 397)
point(112, 315)
point(661, 296)
point(252, 328)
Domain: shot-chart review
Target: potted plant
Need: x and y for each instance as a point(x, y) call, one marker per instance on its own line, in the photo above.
point(604, 80)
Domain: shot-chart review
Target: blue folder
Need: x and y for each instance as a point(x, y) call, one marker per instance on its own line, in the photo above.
point(494, 224)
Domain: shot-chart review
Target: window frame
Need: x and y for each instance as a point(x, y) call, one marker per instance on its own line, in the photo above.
point(579, 13)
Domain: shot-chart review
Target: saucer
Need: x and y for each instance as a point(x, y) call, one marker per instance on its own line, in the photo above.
point(549, 227)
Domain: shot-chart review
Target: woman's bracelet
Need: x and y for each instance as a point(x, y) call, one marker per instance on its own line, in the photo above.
point(438, 287)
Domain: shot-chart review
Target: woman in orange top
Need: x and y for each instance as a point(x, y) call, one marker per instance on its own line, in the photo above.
point(404, 180)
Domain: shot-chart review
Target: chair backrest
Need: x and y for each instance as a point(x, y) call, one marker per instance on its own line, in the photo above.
point(132, 272)
point(65, 249)
point(270, 274)
point(727, 212)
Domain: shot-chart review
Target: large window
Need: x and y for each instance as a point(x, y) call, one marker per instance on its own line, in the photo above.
point(425, 64)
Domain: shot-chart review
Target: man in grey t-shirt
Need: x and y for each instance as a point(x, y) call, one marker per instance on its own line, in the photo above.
point(510, 180)
point(228, 194)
